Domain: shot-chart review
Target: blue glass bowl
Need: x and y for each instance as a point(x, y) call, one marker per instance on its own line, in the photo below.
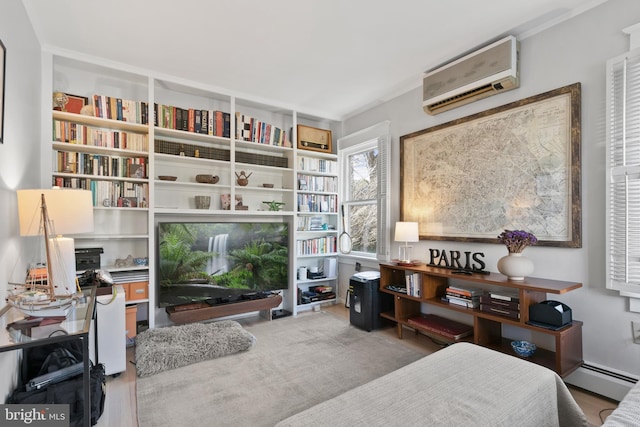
point(523, 348)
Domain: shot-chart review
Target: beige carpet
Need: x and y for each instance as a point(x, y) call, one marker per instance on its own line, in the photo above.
point(294, 364)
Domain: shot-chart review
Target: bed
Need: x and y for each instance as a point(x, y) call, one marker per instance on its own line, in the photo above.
point(628, 411)
point(463, 384)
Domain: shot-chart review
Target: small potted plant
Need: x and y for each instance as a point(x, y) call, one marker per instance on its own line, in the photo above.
point(274, 206)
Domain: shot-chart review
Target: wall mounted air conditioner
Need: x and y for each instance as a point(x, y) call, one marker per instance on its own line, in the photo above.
point(485, 72)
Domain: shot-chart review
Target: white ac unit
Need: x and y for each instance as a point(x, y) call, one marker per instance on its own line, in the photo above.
point(485, 72)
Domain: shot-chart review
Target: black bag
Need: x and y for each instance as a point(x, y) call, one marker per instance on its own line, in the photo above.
point(69, 391)
point(50, 357)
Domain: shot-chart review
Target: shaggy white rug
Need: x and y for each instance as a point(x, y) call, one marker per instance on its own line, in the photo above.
point(161, 349)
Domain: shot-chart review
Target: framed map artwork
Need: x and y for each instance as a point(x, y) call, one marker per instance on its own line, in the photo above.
point(513, 167)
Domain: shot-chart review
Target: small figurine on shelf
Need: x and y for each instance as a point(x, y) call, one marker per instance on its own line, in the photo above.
point(243, 178)
point(60, 100)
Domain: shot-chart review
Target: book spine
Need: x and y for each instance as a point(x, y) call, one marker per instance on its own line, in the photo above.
point(191, 127)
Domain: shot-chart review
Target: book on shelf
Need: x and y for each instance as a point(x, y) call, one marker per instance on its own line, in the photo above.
point(321, 289)
point(468, 291)
point(500, 311)
point(315, 223)
point(447, 328)
point(505, 295)
point(511, 305)
point(461, 301)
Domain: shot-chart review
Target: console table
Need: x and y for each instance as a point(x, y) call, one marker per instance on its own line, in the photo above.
point(487, 327)
point(17, 333)
point(199, 311)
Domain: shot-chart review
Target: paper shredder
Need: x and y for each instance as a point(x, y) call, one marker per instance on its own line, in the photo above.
point(366, 302)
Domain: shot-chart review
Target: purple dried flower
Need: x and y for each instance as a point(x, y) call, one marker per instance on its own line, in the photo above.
point(517, 240)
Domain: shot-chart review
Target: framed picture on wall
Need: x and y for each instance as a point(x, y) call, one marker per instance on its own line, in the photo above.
point(3, 57)
point(512, 167)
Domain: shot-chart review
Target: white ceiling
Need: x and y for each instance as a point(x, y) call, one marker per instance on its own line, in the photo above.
point(329, 58)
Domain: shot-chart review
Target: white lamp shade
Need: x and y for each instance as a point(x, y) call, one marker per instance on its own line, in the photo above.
point(407, 232)
point(70, 211)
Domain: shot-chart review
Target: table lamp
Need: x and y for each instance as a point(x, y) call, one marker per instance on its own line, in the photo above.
point(406, 232)
point(70, 211)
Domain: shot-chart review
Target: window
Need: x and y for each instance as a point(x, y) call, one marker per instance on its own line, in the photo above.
point(623, 174)
point(364, 160)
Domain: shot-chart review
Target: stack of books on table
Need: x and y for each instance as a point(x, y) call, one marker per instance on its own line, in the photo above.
point(464, 296)
point(502, 303)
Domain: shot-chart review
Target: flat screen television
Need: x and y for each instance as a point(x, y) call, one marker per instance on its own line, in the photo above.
point(207, 260)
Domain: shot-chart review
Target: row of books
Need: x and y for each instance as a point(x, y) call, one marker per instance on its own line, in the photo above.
point(126, 110)
point(311, 223)
point(414, 284)
point(317, 165)
point(252, 130)
point(99, 165)
point(317, 203)
point(502, 303)
point(317, 246)
point(317, 183)
point(207, 122)
point(109, 193)
point(76, 133)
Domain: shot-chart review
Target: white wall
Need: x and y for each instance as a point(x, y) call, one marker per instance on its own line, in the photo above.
point(19, 155)
point(576, 50)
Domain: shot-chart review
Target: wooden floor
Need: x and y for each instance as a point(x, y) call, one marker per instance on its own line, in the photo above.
point(120, 407)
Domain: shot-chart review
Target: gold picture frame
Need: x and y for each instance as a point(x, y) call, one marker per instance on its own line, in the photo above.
point(517, 166)
point(314, 139)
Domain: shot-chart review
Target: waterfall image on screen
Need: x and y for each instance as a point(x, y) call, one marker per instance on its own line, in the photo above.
point(218, 249)
point(203, 260)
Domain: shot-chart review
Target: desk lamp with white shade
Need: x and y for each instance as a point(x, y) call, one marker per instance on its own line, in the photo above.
point(406, 232)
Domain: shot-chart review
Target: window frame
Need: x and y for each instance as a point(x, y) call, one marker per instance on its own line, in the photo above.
point(376, 136)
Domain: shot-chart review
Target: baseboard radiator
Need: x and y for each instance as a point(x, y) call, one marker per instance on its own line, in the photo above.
point(602, 381)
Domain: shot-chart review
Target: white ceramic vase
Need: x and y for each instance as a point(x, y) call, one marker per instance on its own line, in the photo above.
point(515, 266)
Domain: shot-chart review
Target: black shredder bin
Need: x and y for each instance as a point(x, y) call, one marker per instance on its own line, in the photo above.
point(366, 302)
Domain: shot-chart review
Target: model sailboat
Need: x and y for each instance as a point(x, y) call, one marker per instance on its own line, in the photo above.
point(50, 289)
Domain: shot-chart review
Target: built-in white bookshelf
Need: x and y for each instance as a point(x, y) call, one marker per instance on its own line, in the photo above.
point(248, 138)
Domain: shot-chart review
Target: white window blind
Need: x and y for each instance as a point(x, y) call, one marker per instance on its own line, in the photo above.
point(623, 174)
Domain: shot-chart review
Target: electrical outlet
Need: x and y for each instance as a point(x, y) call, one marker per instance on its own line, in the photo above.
point(635, 330)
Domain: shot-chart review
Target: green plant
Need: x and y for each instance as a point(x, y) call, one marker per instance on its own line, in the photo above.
point(262, 263)
point(178, 262)
point(274, 206)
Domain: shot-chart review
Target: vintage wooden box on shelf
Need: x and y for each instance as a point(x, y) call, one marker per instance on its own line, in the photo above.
point(565, 358)
point(136, 291)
